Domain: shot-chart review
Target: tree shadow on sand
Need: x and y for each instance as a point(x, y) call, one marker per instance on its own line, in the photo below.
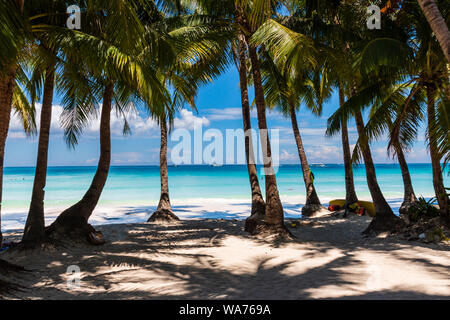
point(154, 261)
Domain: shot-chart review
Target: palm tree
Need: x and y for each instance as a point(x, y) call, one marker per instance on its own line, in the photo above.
point(350, 193)
point(34, 227)
point(258, 204)
point(251, 16)
point(288, 91)
point(44, 63)
point(412, 61)
point(329, 27)
point(409, 196)
point(246, 16)
point(115, 65)
point(12, 38)
point(437, 24)
point(188, 38)
point(385, 220)
point(164, 211)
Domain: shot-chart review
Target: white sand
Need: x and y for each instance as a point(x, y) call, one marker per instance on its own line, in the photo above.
point(215, 259)
point(14, 219)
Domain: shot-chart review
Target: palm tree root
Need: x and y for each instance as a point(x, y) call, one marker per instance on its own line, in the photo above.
point(313, 210)
point(254, 221)
point(256, 226)
point(74, 229)
point(382, 224)
point(257, 216)
point(164, 216)
point(405, 207)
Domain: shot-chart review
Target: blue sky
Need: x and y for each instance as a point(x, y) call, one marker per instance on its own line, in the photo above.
point(219, 107)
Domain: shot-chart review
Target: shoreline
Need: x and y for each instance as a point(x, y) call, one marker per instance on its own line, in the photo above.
point(200, 208)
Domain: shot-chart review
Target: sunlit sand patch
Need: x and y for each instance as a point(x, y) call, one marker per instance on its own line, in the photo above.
point(215, 259)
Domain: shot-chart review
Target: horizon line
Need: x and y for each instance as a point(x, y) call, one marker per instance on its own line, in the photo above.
point(208, 165)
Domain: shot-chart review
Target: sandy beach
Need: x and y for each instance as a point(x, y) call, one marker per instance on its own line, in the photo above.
point(216, 259)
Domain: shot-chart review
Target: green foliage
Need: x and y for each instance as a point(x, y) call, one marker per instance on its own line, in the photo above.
point(423, 209)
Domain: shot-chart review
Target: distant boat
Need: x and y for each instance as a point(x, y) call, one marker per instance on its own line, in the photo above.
point(216, 165)
point(318, 165)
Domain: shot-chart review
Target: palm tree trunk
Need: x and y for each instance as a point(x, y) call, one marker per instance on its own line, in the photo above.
point(258, 204)
point(6, 95)
point(274, 220)
point(438, 179)
point(385, 220)
point(350, 193)
point(438, 24)
point(409, 196)
point(164, 211)
point(7, 84)
point(312, 205)
point(73, 222)
point(35, 226)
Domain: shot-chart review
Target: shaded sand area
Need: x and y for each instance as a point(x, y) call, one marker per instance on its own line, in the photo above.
point(215, 259)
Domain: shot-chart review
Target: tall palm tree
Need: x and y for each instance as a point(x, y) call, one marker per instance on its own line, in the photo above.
point(258, 203)
point(287, 92)
point(412, 61)
point(350, 193)
point(289, 38)
point(164, 211)
point(44, 64)
point(385, 220)
point(437, 24)
point(246, 16)
point(115, 65)
point(250, 17)
point(12, 41)
point(34, 227)
point(188, 38)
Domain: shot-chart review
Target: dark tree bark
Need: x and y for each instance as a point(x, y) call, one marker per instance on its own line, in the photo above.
point(438, 25)
point(438, 179)
point(274, 217)
point(164, 211)
point(385, 220)
point(73, 222)
point(312, 205)
point(34, 232)
point(258, 204)
point(409, 197)
point(350, 193)
point(6, 95)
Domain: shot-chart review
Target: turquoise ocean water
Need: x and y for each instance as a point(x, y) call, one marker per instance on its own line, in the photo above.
point(140, 185)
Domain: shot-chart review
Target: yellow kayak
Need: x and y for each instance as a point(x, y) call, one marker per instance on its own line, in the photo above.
point(365, 204)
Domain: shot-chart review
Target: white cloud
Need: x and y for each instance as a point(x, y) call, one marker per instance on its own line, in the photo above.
point(228, 114)
point(189, 121)
point(287, 156)
point(126, 157)
point(140, 126)
point(91, 161)
point(16, 135)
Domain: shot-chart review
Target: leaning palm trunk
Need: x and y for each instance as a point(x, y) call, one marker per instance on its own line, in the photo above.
point(350, 193)
point(438, 180)
point(164, 211)
point(35, 226)
point(409, 197)
point(7, 82)
point(274, 216)
point(385, 220)
point(258, 204)
point(6, 95)
point(312, 205)
point(438, 24)
point(73, 222)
